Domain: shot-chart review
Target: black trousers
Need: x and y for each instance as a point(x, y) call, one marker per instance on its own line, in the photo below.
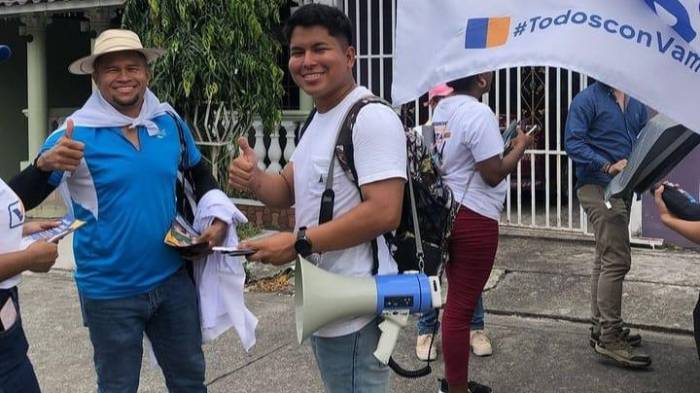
point(696, 325)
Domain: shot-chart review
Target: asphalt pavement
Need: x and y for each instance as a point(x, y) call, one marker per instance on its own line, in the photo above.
point(537, 310)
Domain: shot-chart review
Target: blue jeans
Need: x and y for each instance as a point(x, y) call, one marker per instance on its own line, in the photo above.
point(429, 320)
point(169, 315)
point(16, 371)
point(347, 363)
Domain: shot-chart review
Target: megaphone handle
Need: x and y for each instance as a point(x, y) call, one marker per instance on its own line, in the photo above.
point(390, 328)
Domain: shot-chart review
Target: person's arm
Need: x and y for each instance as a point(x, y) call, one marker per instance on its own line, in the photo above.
point(576, 138)
point(193, 166)
point(32, 186)
point(60, 153)
point(380, 212)
point(38, 257)
point(196, 170)
point(274, 190)
point(688, 229)
point(493, 170)
point(202, 179)
point(380, 161)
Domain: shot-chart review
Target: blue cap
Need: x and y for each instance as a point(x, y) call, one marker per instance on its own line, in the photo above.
point(5, 52)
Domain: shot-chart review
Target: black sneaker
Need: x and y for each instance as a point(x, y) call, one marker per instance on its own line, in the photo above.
point(633, 339)
point(472, 386)
point(478, 388)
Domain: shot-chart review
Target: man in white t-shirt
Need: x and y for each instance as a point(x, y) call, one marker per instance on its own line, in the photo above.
point(321, 62)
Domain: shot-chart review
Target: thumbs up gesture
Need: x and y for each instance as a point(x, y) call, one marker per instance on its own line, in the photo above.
point(65, 155)
point(243, 171)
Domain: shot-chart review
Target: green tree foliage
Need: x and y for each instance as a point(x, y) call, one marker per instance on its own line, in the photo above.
point(220, 70)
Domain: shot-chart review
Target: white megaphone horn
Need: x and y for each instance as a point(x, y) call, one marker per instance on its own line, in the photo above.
point(322, 297)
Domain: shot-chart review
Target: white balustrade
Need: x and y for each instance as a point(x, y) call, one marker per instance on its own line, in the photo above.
point(274, 152)
point(289, 127)
point(259, 147)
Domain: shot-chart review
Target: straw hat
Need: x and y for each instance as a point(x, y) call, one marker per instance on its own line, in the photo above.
point(5, 52)
point(113, 40)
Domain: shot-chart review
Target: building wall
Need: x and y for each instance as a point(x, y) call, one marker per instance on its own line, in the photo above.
point(65, 43)
point(13, 98)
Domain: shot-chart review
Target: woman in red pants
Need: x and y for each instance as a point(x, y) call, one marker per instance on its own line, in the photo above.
point(471, 153)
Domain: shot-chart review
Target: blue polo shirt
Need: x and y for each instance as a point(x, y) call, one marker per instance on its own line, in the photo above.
point(598, 132)
point(127, 197)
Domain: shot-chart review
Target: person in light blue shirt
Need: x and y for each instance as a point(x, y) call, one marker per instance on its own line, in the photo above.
point(117, 159)
point(601, 130)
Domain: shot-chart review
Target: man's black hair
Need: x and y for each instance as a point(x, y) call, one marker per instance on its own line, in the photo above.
point(331, 18)
point(465, 84)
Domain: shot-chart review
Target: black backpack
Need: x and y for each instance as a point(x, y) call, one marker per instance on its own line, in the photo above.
point(427, 199)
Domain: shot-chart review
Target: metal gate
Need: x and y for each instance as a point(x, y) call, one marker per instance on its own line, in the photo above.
point(541, 192)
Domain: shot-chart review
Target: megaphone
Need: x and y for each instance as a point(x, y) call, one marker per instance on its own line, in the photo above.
point(322, 297)
point(662, 144)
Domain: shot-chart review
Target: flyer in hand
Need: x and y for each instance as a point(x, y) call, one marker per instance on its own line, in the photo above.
point(67, 225)
point(183, 237)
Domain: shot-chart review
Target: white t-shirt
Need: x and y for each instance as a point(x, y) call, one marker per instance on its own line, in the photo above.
point(11, 222)
point(380, 154)
point(466, 132)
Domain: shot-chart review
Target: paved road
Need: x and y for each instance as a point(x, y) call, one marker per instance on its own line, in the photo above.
point(536, 304)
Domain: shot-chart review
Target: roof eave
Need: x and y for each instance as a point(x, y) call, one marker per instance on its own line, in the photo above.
point(57, 6)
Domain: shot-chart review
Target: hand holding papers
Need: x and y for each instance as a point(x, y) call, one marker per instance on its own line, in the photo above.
point(66, 226)
point(183, 237)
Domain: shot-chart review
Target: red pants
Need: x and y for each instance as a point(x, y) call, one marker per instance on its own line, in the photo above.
point(472, 251)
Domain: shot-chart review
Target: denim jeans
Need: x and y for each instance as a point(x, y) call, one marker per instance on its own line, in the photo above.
point(169, 315)
point(16, 371)
point(429, 320)
point(347, 363)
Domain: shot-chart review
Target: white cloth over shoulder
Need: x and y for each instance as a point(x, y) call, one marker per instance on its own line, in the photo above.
point(98, 113)
point(220, 278)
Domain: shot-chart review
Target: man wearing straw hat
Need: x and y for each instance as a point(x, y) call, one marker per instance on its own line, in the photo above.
point(118, 158)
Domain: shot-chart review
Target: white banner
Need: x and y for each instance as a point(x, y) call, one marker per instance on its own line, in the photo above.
point(648, 48)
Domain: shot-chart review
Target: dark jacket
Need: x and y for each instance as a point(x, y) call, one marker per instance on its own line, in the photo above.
point(598, 132)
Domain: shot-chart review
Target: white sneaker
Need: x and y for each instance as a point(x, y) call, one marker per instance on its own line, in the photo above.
point(480, 343)
point(423, 346)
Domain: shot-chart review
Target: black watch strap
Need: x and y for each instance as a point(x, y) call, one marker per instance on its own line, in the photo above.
point(303, 244)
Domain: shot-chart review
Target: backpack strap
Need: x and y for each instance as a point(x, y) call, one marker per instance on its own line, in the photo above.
point(183, 188)
point(344, 153)
point(303, 128)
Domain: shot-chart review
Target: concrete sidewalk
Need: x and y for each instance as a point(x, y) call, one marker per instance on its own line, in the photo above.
point(536, 304)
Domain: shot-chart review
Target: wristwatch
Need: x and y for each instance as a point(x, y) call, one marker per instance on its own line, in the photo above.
point(303, 244)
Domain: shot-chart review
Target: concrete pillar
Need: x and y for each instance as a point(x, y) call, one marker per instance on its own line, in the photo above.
point(37, 96)
point(98, 21)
